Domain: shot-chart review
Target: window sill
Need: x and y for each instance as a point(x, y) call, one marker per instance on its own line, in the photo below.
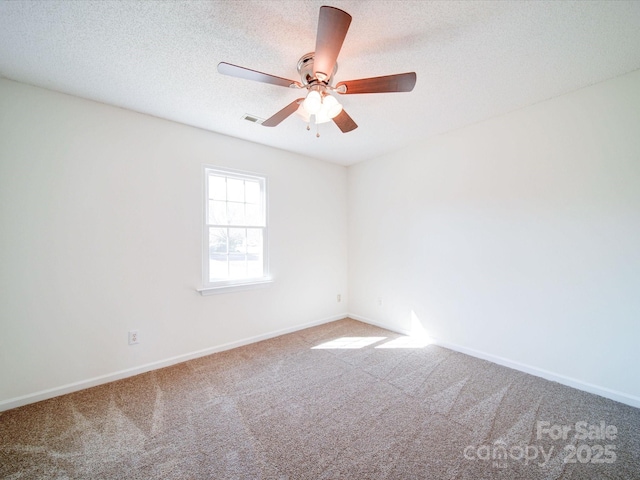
point(236, 287)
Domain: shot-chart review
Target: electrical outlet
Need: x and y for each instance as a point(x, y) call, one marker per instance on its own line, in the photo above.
point(379, 300)
point(134, 337)
point(339, 298)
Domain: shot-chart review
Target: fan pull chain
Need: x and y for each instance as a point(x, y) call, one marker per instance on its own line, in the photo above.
point(317, 131)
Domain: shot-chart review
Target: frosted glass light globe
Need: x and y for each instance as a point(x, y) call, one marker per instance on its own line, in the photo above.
point(332, 106)
point(313, 102)
point(323, 115)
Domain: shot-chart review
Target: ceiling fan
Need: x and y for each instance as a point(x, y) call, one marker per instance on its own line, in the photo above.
point(317, 70)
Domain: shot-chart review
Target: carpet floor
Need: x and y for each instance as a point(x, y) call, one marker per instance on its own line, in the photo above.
point(344, 400)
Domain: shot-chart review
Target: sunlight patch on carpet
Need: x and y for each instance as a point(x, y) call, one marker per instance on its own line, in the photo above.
point(349, 342)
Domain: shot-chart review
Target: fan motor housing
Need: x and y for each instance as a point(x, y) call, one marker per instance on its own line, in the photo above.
point(305, 69)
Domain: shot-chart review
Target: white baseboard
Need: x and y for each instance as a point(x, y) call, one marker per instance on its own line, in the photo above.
point(538, 372)
point(130, 372)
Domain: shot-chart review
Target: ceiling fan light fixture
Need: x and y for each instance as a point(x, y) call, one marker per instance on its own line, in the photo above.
point(313, 102)
point(329, 110)
point(332, 106)
point(322, 116)
point(303, 114)
point(323, 107)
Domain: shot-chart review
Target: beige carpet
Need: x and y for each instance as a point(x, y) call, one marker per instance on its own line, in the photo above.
point(280, 409)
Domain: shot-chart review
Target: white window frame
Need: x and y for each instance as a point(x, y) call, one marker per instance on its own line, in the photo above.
point(235, 284)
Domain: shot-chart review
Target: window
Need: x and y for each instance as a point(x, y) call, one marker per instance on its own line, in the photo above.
point(235, 233)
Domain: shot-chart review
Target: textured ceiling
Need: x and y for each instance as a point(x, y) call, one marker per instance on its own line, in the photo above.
point(474, 60)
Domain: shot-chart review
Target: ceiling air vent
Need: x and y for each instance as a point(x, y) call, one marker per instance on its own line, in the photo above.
point(252, 118)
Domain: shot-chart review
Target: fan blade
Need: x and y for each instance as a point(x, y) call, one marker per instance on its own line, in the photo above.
point(345, 122)
point(402, 82)
point(282, 114)
point(247, 74)
point(332, 28)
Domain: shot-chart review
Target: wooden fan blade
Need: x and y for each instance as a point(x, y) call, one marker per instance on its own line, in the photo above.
point(402, 82)
point(282, 114)
point(333, 25)
point(345, 122)
point(247, 74)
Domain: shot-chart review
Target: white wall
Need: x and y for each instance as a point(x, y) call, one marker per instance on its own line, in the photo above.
point(517, 238)
point(100, 233)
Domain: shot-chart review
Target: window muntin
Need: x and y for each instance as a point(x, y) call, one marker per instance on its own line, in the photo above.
point(235, 228)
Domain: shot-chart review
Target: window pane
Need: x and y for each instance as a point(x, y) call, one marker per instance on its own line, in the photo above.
point(238, 240)
point(252, 192)
point(218, 260)
point(218, 268)
point(218, 240)
point(236, 213)
point(235, 190)
point(255, 268)
point(217, 187)
point(217, 212)
point(237, 266)
point(254, 215)
point(254, 241)
point(255, 263)
point(237, 254)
